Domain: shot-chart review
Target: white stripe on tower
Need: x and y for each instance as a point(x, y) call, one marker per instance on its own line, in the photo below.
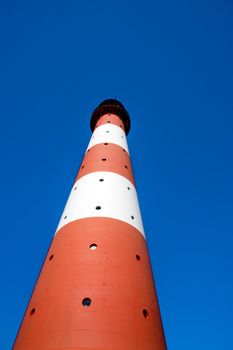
point(108, 133)
point(103, 194)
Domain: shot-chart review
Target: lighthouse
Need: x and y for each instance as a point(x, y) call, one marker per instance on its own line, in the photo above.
point(96, 290)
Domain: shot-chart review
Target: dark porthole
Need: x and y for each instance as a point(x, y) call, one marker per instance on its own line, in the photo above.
point(32, 312)
point(126, 167)
point(97, 207)
point(82, 166)
point(101, 180)
point(132, 217)
point(51, 257)
point(138, 257)
point(128, 188)
point(104, 159)
point(65, 217)
point(107, 131)
point(145, 314)
point(123, 149)
point(75, 188)
point(86, 302)
point(105, 143)
point(108, 121)
point(93, 246)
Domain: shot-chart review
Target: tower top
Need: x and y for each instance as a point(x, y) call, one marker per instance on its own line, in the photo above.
point(114, 106)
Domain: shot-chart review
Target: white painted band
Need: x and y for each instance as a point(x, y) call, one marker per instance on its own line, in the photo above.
point(115, 196)
point(109, 133)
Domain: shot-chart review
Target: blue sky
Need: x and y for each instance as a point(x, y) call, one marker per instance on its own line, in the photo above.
point(170, 63)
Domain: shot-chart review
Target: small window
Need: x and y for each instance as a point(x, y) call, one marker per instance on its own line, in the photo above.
point(145, 313)
point(32, 312)
point(86, 302)
point(93, 246)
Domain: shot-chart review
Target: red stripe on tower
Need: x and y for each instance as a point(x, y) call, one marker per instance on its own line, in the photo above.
point(96, 289)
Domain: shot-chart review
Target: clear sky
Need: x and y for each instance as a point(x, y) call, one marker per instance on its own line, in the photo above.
point(171, 64)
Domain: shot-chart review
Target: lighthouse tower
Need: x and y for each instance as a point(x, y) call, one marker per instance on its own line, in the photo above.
point(96, 290)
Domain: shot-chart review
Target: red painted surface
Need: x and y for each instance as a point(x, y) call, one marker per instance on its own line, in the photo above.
point(110, 118)
point(120, 288)
point(106, 157)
